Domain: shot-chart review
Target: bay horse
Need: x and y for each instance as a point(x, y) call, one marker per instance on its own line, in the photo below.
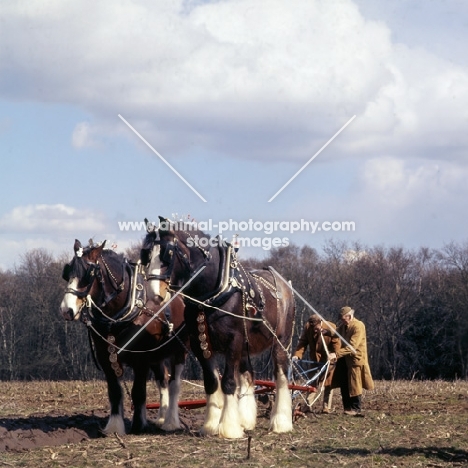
point(229, 312)
point(109, 295)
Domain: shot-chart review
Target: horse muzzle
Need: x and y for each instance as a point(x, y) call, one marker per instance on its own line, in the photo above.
point(69, 314)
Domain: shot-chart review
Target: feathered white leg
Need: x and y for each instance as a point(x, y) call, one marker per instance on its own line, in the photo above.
point(164, 400)
point(115, 424)
point(229, 425)
point(172, 421)
point(247, 402)
point(281, 415)
point(214, 407)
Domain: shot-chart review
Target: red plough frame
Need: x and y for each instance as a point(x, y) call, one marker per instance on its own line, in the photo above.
point(263, 386)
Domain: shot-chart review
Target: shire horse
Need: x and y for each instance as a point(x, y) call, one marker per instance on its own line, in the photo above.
point(109, 295)
point(229, 312)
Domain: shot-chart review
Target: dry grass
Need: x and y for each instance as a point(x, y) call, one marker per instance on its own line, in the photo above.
point(407, 424)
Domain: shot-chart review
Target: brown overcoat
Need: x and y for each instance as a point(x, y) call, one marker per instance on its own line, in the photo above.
point(359, 374)
point(309, 338)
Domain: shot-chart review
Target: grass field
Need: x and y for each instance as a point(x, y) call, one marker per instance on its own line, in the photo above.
point(406, 424)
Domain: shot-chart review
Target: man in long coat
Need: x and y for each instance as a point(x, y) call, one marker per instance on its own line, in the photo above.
point(319, 336)
point(352, 373)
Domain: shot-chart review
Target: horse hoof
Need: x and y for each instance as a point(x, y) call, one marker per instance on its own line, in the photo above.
point(229, 432)
point(159, 422)
point(115, 425)
point(209, 431)
point(281, 425)
point(137, 430)
point(170, 427)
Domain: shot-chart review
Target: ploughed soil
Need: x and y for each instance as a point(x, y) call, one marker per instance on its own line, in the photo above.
point(404, 424)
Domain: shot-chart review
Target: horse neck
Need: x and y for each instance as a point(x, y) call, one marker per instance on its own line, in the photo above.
point(108, 289)
point(207, 280)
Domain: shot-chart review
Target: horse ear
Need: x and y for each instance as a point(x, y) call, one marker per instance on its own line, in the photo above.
point(164, 224)
point(150, 227)
point(78, 249)
point(96, 252)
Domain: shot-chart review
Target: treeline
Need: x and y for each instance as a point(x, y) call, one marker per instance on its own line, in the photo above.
point(414, 305)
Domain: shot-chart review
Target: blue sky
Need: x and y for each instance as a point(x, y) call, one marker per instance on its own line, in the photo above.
point(237, 95)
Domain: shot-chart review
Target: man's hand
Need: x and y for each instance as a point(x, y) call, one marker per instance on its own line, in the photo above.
point(332, 357)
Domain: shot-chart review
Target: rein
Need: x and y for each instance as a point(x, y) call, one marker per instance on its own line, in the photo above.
point(196, 301)
point(89, 324)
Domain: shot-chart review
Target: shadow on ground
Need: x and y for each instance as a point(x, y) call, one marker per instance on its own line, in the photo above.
point(447, 454)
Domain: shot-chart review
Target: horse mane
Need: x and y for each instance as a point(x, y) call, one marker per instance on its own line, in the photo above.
point(187, 229)
point(149, 240)
point(79, 266)
point(113, 256)
point(146, 247)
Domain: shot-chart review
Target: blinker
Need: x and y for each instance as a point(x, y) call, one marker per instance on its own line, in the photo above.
point(145, 256)
point(66, 272)
point(168, 253)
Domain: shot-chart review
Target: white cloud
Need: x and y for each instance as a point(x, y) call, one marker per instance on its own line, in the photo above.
point(398, 183)
point(248, 77)
point(415, 202)
point(50, 227)
point(54, 219)
point(82, 136)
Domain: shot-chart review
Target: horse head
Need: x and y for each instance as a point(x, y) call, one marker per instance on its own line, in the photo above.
point(157, 273)
point(80, 273)
point(184, 250)
point(161, 255)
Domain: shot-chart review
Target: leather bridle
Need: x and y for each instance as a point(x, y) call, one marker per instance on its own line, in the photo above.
point(170, 250)
point(92, 274)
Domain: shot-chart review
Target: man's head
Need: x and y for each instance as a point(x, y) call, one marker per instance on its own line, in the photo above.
point(346, 314)
point(315, 322)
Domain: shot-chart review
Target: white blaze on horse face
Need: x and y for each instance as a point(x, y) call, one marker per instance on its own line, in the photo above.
point(71, 304)
point(155, 286)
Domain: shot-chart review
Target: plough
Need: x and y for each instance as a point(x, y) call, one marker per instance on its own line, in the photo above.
point(262, 387)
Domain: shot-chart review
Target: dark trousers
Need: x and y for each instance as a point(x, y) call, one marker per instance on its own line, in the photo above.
point(349, 403)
